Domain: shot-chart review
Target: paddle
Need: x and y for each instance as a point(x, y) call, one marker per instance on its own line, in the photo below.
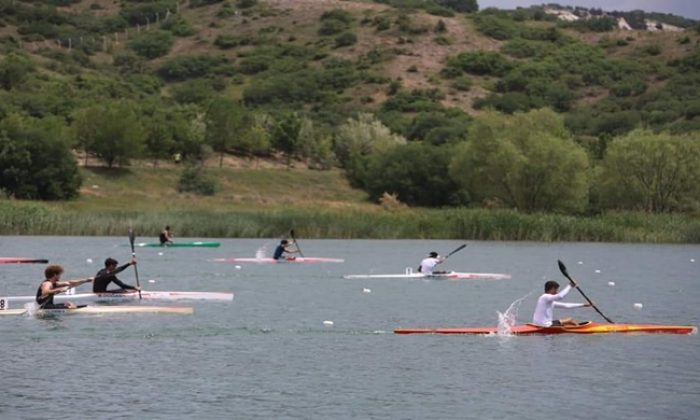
point(291, 233)
point(461, 247)
point(133, 255)
point(564, 271)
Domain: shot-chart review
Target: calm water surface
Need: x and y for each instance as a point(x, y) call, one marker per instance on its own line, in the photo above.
point(269, 355)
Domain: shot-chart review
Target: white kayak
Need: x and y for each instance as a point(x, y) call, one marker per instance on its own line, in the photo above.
point(270, 260)
point(96, 310)
point(123, 297)
point(447, 275)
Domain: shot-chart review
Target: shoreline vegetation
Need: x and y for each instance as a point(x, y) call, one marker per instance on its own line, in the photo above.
point(267, 202)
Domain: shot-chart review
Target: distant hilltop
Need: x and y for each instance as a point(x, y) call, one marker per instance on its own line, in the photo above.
point(636, 20)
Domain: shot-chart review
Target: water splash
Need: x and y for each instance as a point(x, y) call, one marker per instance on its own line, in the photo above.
point(261, 252)
point(507, 319)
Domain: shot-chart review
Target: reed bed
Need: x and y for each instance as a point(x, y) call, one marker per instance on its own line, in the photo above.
point(28, 218)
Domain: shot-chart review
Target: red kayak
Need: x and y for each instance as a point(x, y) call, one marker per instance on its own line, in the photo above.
point(18, 260)
point(588, 327)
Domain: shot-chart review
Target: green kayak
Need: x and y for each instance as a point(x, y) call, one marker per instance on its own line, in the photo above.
point(179, 244)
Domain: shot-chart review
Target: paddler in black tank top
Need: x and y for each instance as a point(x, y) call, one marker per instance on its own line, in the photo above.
point(52, 286)
point(109, 275)
point(166, 237)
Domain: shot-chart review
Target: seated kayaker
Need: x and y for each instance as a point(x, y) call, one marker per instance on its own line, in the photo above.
point(52, 286)
point(283, 252)
point(166, 236)
point(550, 299)
point(427, 265)
point(109, 274)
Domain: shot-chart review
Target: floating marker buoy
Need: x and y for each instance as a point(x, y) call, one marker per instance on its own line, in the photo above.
point(89, 261)
point(692, 260)
point(151, 281)
point(238, 267)
point(611, 283)
point(597, 271)
point(160, 253)
point(638, 306)
point(580, 262)
point(366, 290)
point(328, 323)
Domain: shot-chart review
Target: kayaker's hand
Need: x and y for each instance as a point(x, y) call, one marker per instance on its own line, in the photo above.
point(573, 284)
point(587, 305)
point(133, 261)
point(137, 288)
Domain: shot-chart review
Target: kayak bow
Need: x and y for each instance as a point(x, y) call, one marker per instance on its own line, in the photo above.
point(20, 260)
point(589, 327)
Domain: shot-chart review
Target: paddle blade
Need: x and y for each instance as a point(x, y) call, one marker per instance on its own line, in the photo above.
point(132, 237)
point(563, 269)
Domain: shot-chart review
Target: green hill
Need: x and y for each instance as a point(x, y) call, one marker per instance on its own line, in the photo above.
point(430, 102)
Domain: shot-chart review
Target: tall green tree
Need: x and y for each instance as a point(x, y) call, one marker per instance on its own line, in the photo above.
point(285, 135)
point(111, 130)
point(526, 161)
point(654, 172)
point(36, 160)
point(226, 120)
point(159, 143)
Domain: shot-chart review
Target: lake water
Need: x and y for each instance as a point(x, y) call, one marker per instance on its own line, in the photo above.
point(269, 355)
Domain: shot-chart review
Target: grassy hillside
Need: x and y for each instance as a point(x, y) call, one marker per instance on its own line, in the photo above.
point(389, 94)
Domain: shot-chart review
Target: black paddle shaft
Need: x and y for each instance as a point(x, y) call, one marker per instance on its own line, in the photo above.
point(291, 233)
point(565, 272)
point(133, 255)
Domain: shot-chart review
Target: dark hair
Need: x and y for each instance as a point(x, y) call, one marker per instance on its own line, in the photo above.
point(167, 228)
point(284, 242)
point(111, 261)
point(433, 254)
point(53, 270)
point(550, 284)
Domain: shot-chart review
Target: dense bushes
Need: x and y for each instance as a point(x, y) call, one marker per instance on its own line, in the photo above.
point(152, 44)
point(184, 67)
point(35, 159)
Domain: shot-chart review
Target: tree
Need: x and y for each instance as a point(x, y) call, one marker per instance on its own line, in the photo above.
point(152, 44)
point(158, 139)
point(462, 6)
point(36, 160)
point(285, 135)
point(654, 172)
point(416, 173)
point(225, 121)
point(526, 161)
point(362, 136)
point(14, 70)
point(111, 130)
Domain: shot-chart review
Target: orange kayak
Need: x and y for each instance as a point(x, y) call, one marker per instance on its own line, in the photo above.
point(588, 327)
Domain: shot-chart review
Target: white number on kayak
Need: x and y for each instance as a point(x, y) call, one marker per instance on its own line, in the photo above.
point(4, 304)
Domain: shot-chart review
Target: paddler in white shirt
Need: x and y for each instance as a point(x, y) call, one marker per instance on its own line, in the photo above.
point(427, 265)
point(550, 299)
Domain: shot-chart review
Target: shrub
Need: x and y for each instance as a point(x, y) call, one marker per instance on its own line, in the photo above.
point(332, 27)
point(185, 67)
point(481, 63)
point(194, 180)
point(345, 40)
point(152, 44)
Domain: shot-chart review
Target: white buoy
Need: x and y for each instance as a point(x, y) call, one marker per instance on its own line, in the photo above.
point(597, 271)
point(692, 260)
point(580, 263)
point(366, 290)
point(328, 323)
point(611, 283)
point(160, 253)
point(238, 267)
point(638, 306)
point(151, 281)
point(89, 261)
